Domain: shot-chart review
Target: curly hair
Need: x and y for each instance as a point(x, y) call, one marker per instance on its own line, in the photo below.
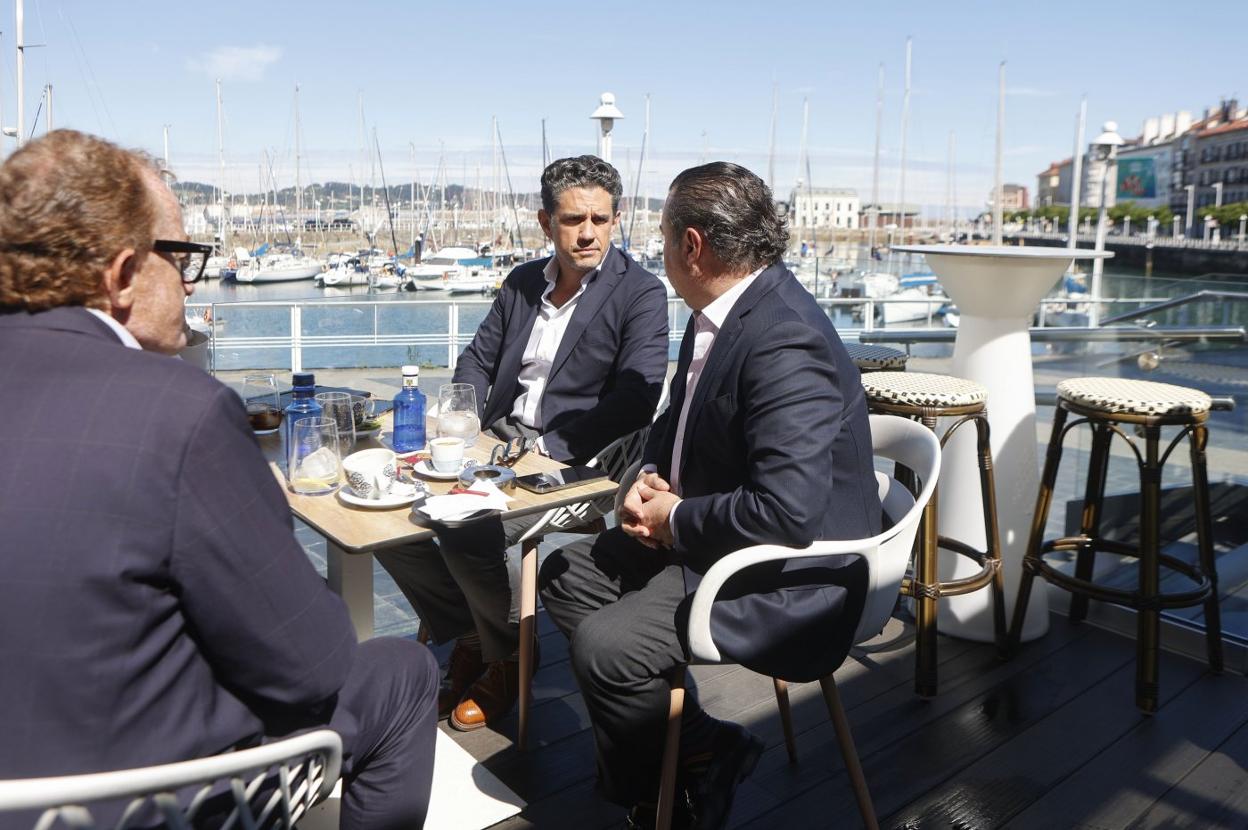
point(580, 171)
point(69, 203)
point(733, 208)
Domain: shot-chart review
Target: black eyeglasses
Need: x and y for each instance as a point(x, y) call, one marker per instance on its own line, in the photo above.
point(189, 257)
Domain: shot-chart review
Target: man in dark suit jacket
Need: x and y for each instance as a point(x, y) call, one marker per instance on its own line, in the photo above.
point(154, 603)
point(766, 442)
point(573, 354)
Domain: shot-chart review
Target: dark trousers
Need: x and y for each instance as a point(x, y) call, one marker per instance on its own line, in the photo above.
point(386, 714)
point(620, 605)
point(467, 581)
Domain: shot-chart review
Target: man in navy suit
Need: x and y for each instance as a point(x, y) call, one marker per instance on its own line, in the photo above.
point(573, 354)
point(154, 603)
point(767, 441)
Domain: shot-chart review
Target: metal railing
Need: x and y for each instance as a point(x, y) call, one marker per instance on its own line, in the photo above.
point(448, 337)
point(1188, 299)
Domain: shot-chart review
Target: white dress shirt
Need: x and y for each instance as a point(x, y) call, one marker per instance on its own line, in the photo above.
point(123, 334)
point(539, 353)
point(707, 324)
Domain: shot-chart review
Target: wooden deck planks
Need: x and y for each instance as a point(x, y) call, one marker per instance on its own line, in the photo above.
point(1048, 739)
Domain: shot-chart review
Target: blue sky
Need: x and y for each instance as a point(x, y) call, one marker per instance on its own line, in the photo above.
point(432, 75)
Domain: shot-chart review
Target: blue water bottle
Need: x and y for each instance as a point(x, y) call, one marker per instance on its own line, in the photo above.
point(302, 405)
point(409, 413)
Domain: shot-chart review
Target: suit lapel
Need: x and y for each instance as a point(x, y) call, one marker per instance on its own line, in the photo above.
point(716, 361)
point(678, 396)
point(587, 307)
point(524, 314)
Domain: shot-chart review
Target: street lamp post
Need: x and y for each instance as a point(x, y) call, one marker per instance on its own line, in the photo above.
point(1191, 208)
point(1106, 147)
point(1208, 227)
point(1217, 194)
point(1243, 224)
point(1126, 226)
point(1174, 232)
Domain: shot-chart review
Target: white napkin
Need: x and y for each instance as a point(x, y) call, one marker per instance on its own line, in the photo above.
point(441, 508)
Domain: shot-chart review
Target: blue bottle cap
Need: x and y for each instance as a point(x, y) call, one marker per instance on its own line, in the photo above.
point(303, 379)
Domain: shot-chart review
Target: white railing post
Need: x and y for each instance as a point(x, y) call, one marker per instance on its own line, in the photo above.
point(296, 338)
point(868, 316)
point(452, 334)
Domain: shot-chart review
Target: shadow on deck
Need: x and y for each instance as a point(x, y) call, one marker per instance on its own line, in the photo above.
point(1050, 739)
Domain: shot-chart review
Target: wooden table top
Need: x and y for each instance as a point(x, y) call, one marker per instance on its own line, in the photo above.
point(361, 530)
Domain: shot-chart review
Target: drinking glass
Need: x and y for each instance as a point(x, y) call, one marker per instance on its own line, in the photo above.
point(315, 458)
point(457, 412)
point(337, 407)
point(264, 409)
point(362, 409)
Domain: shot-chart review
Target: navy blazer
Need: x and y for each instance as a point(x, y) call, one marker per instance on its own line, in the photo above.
point(608, 373)
point(777, 450)
point(153, 598)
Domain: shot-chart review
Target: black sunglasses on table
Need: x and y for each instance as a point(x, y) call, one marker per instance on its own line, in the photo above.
point(189, 257)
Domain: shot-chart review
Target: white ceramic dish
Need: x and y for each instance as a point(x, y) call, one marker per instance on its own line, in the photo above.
point(384, 503)
point(425, 468)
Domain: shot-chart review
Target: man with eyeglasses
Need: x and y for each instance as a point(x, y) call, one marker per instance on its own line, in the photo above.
point(154, 603)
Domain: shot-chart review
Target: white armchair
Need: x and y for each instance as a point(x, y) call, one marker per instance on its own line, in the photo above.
point(894, 439)
point(304, 769)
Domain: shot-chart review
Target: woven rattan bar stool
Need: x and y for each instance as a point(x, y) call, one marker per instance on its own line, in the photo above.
point(1106, 404)
point(869, 358)
point(925, 398)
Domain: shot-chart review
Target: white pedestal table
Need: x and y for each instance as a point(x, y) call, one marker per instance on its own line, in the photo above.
point(997, 290)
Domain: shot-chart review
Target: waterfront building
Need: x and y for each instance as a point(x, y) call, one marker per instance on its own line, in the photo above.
point(1013, 197)
point(824, 207)
point(1053, 184)
point(1220, 151)
point(890, 214)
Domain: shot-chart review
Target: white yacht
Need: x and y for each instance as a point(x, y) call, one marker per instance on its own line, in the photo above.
point(280, 268)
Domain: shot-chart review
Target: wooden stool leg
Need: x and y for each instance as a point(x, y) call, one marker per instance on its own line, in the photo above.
point(1198, 439)
point(924, 584)
point(671, 753)
point(1090, 523)
point(786, 717)
point(992, 533)
point(1148, 617)
point(1041, 516)
point(846, 741)
point(528, 631)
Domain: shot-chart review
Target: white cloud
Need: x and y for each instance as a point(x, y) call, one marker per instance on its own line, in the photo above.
point(236, 63)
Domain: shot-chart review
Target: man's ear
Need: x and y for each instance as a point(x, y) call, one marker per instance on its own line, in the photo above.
point(692, 245)
point(119, 283)
point(543, 219)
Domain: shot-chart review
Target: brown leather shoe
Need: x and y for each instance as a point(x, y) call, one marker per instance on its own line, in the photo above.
point(464, 666)
point(491, 697)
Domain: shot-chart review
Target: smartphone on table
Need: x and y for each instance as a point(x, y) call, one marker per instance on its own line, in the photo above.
point(559, 479)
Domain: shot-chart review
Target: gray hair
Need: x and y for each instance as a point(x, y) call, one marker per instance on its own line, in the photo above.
point(733, 209)
point(580, 171)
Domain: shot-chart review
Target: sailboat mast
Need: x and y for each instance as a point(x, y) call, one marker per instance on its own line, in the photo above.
point(221, 161)
point(21, 73)
point(951, 215)
point(875, 168)
point(771, 150)
point(801, 154)
point(545, 147)
point(1076, 172)
point(905, 124)
point(997, 192)
point(298, 179)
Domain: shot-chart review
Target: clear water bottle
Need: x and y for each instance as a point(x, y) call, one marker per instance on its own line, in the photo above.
point(409, 413)
point(302, 405)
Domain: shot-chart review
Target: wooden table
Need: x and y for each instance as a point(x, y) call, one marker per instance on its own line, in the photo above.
point(352, 534)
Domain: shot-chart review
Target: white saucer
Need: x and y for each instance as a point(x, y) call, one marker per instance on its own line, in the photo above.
point(424, 468)
point(383, 503)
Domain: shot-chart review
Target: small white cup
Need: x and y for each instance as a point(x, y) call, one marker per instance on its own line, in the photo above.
point(370, 473)
point(447, 454)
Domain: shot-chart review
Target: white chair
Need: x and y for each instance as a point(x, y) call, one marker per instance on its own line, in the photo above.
point(583, 517)
point(893, 439)
point(304, 769)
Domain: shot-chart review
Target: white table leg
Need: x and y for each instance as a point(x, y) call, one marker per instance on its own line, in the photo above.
point(995, 353)
point(351, 577)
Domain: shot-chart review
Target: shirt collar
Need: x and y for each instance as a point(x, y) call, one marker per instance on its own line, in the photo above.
point(123, 334)
point(716, 312)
